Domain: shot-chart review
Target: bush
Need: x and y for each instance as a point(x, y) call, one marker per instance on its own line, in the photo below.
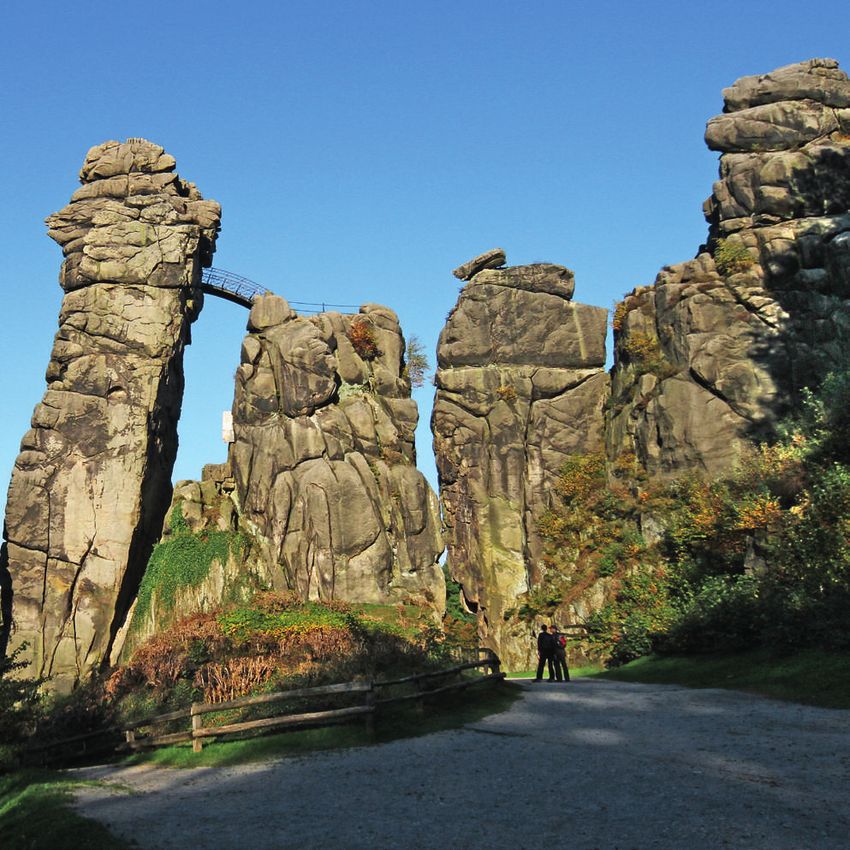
point(275, 641)
point(643, 350)
point(361, 334)
point(618, 317)
point(20, 704)
point(732, 257)
point(724, 614)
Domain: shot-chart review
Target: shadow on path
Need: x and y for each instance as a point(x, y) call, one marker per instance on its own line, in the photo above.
point(591, 764)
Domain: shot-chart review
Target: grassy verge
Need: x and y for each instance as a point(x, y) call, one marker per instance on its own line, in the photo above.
point(447, 712)
point(35, 814)
point(574, 671)
point(811, 677)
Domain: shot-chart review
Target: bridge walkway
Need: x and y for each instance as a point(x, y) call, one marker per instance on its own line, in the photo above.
point(240, 290)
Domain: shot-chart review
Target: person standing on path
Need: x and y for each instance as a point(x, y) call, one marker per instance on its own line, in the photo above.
point(562, 671)
point(545, 653)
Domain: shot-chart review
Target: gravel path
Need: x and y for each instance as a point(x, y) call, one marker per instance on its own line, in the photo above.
point(591, 764)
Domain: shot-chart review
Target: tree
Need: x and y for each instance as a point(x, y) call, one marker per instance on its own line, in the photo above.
point(416, 361)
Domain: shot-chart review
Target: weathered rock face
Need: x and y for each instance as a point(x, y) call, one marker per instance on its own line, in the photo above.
point(201, 530)
point(720, 346)
point(520, 387)
point(324, 458)
point(92, 482)
point(706, 360)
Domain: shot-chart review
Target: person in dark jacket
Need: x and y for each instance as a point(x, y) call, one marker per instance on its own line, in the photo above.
point(545, 654)
point(562, 671)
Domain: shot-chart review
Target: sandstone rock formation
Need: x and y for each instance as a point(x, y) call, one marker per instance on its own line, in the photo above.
point(520, 387)
point(324, 457)
point(720, 346)
point(93, 479)
point(706, 359)
point(201, 532)
point(492, 259)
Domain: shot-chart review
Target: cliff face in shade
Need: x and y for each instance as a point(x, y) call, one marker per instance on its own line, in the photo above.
point(520, 387)
point(324, 458)
point(720, 346)
point(92, 481)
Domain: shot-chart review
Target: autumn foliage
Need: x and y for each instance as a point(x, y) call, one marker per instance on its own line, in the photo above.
point(760, 556)
point(275, 639)
point(362, 337)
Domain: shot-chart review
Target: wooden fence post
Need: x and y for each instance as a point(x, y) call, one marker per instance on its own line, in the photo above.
point(130, 737)
point(197, 724)
point(419, 702)
point(496, 666)
point(370, 716)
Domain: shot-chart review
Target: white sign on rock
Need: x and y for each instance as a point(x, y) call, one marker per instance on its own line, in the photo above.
point(227, 426)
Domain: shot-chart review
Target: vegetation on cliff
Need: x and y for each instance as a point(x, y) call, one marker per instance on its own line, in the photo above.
point(183, 559)
point(760, 557)
point(276, 641)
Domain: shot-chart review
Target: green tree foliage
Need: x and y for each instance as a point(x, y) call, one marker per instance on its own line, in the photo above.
point(760, 557)
point(416, 363)
point(19, 703)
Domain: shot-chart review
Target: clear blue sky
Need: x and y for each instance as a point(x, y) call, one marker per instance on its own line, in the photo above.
point(361, 150)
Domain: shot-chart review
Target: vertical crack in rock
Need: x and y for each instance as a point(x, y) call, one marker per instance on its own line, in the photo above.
point(92, 481)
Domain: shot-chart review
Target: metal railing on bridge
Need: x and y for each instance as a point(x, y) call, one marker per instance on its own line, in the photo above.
point(240, 290)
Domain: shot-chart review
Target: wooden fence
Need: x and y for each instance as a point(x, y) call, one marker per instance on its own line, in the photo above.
point(369, 697)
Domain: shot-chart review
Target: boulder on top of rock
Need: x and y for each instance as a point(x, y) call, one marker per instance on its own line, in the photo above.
point(267, 311)
point(537, 277)
point(492, 259)
point(820, 80)
point(774, 127)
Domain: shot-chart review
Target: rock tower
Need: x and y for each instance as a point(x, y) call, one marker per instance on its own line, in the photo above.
point(93, 479)
point(520, 386)
point(324, 458)
point(720, 346)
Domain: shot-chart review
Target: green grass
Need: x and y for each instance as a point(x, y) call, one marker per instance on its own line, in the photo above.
point(406, 618)
point(446, 712)
point(812, 677)
point(35, 814)
point(574, 671)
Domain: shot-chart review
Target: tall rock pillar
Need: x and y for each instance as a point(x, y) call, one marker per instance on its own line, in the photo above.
point(324, 458)
point(520, 388)
point(710, 356)
point(93, 479)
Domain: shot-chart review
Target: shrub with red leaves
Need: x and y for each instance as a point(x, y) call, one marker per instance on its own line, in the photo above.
point(361, 334)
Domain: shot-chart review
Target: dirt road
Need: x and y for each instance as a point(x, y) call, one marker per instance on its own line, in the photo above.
point(591, 764)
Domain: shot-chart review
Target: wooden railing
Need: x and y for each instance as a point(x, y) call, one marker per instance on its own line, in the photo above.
point(575, 631)
point(370, 694)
